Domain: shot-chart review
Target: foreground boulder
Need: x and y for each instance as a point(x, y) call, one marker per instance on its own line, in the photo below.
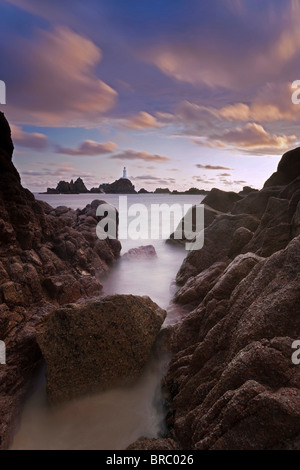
point(232, 379)
point(95, 345)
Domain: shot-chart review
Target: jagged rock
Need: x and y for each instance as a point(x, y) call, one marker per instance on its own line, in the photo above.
point(196, 288)
point(96, 345)
point(240, 239)
point(120, 186)
point(217, 244)
point(46, 260)
point(178, 237)
point(274, 230)
point(288, 169)
point(64, 187)
point(256, 202)
point(247, 190)
point(221, 200)
point(232, 381)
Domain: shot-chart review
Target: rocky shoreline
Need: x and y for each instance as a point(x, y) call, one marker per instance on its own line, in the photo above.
point(231, 383)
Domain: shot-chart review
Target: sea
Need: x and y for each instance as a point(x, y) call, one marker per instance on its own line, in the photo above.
point(114, 419)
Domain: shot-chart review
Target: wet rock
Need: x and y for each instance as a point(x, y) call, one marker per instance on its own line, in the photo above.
point(96, 345)
point(147, 251)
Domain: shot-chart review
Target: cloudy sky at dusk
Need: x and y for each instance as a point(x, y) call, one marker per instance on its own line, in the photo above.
point(182, 92)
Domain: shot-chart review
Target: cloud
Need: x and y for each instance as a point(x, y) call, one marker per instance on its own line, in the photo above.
point(59, 86)
point(89, 148)
point(141, 120)
point(30, 140)
point(212, 167)
point(253, 137)
point(133, 155)
point(227, 54)
point(271, 103)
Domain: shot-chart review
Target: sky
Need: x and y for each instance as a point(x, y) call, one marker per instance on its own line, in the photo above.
point(183, 93)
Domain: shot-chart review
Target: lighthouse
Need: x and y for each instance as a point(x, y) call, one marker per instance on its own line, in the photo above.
point(124, 173)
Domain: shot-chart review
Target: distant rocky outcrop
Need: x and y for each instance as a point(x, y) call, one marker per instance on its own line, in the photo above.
point(96, 345)
point(74, 187)
point(120, 186)
point(162, 191)
point(143, 191)
point(48, 257)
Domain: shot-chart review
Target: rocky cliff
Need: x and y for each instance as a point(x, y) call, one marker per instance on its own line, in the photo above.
point(48, 257)
point(232, 383)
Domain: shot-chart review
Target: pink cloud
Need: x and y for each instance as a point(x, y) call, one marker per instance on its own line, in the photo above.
point(89, 148)
point(60, 87)
point(134, 155)
point(31, 140)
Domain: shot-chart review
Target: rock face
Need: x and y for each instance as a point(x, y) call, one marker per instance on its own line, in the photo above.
point(180, 240)
point(221, 200)
point(48, 257)
point(232, 382)
point(140, 252)
point(95, 345)
point(288, 169)
point(121, 186)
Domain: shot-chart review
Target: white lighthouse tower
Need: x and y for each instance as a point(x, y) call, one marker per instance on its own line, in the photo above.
point(124, 173)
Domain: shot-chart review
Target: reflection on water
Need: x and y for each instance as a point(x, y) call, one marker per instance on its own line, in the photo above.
point(114, 419)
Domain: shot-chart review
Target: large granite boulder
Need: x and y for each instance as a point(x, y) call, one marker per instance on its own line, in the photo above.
point(96, 345)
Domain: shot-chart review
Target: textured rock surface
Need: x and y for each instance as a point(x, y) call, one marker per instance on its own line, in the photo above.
point(288, 169)
point(141, 252)
point(221, 200)
point(217, 244)
point(95, 345)
point(209, 216)
point(48, 257)
point(231, 380)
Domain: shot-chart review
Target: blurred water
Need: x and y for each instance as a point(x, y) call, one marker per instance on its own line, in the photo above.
point(114, 419)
